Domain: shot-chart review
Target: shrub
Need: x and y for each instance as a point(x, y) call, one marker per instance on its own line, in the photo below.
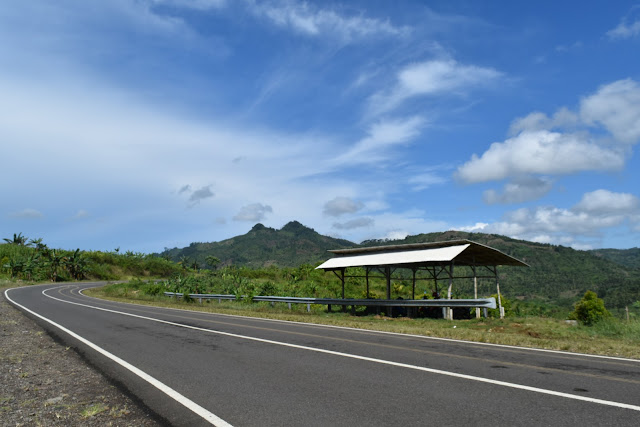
point(590, 309)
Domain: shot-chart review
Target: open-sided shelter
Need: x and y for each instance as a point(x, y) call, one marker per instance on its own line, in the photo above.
point(438, 259)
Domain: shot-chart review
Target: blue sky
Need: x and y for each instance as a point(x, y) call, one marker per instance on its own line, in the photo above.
point(145, 124)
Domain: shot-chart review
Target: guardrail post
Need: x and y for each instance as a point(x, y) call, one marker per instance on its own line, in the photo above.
point(289, 304)
point(308, 308)
point(329, 308)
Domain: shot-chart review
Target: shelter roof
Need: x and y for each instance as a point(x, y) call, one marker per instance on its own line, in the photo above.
point(461, 252)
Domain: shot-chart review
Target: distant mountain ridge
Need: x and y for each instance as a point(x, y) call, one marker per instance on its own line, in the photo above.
point(292, 245)
point(557, 272)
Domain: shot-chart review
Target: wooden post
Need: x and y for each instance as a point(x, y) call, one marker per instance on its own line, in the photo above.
point(627, 310)
point(344, 308)
point(413, 288)
point(449, 309)
point(367, 279)
point(387, 273)
point(475, 290)
point(499, 297)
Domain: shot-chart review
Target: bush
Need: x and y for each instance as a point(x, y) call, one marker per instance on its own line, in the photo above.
point(506, 303)
point(590, 309)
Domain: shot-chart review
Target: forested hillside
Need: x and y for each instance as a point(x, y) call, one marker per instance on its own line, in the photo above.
point(557, 274)
point(292, 245)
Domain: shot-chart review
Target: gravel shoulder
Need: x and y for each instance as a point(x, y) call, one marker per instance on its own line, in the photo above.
point(46, 383)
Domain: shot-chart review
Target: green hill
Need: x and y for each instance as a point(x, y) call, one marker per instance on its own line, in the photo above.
point(292, 245)
point(627, 257)
point(557, 274)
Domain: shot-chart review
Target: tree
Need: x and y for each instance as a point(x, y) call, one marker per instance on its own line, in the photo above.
point(55, 261)
point(590, 309)
point(18, 239)
point(212, 261)
point(76, 265)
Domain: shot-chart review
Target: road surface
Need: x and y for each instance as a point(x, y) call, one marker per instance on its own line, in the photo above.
point(201, 369)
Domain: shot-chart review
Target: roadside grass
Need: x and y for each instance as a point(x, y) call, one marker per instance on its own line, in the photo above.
point(611, 337)
point(93, 410)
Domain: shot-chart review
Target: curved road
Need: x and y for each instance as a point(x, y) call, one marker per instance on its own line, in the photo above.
point(201, 369)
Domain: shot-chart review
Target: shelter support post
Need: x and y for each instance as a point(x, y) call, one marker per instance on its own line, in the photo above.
point(367, 280)
point(413, 287)
point(475, 286)
point(449, 309)
point(499, 296)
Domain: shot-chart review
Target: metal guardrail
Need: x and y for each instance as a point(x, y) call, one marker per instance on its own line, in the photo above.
point(480, 303)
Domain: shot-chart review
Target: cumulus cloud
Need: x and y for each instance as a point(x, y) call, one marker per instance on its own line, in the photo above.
point(309, 20)
point(518, 191)
point(604, 202)
point(539, 152)
point(184, 189)
point(27, 213)
point(354, 223)
point(381, 136)
point(430, 78)
point(628, 27)
point(616, 106)
point(596, 211)
point(342, 205)
point(254, 212)
point(596, 138)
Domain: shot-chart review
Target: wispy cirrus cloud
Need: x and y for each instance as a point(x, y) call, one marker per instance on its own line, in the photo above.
point(311, 20)
point(628, 27)
point(431, 78)
point(28, 213)
point(382, 136)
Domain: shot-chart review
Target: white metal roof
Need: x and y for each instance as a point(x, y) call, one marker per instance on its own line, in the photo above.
point(444, 254)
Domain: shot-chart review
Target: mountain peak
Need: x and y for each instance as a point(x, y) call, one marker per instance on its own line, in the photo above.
point(296, 228)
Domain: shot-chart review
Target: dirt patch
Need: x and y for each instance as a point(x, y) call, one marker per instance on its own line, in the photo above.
point(45, 383)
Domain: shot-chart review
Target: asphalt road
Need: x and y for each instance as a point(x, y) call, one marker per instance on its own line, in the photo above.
point(196, 369)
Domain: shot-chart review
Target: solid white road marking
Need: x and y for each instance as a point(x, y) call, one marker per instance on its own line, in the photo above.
point(210, 417)
point(371, 359)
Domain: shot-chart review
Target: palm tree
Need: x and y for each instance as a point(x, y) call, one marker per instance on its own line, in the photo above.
point(18, 239)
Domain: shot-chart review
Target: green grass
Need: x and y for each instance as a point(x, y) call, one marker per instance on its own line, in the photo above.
point(611, 337)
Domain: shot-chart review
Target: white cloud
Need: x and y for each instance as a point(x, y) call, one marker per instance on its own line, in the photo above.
point(628, 27)
point(342, 205)
point(617, 107)
point(539, 152)
point(354, 223)
point(567, 142)
point(254, 212)
point(604, 202)
point(27, 213)
point(310, 20)
point(430, 78)
point(425, 180)
point(518, 191)
point(381, 136)
point(596, 212)
point(193, 4)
